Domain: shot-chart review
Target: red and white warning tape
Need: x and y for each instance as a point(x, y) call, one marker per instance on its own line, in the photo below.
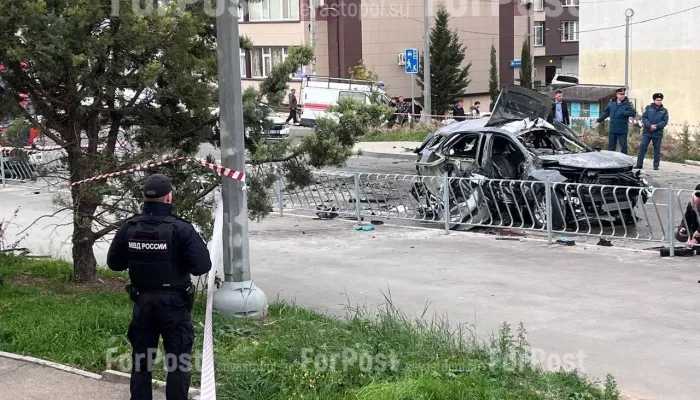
point(221, 170)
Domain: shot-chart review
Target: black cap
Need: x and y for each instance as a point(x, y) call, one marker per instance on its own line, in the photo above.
point(156, 186)
point(658, 96)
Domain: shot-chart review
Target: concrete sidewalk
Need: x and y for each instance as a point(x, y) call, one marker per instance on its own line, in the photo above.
point(31, 381)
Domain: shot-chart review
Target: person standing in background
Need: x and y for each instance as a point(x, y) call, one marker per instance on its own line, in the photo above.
point(620, 110)
point(655, 119)
point(560, 109)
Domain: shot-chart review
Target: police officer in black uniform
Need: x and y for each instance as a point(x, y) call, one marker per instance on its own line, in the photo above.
point(160, 251)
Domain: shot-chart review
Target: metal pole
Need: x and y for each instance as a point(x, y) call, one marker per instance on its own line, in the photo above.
point(358, 210)
point(671, 204)
point(426, 60)
point(2, 167)
point(548, 208)
point(238, 296)
point(412, 99)
point(279, 196)
point(312, 33)
point(628, 14)
point(446, 202)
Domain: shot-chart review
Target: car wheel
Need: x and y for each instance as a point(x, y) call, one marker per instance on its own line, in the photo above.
point(539, 210)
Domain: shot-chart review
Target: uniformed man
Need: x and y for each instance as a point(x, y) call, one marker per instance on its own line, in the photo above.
point(160, 251)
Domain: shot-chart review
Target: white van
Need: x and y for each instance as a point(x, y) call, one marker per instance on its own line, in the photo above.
point(318, 93)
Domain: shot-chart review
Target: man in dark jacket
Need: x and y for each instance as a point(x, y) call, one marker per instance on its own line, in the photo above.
point(458, 112)
point(160, 251)
point(620, 110)
point(690, 226)
point(292, 107)
point(560, 109)
point(655, 119)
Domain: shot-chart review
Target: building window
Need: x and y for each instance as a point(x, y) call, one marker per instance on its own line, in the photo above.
point(570, 3)
point(264, 59)
point(273, 10)
point(569, 31)
point(539, 5)
point(539, 34)
point(242, 59)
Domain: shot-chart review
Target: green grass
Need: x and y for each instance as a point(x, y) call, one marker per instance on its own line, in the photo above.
point(288, 355)
point(417, 134)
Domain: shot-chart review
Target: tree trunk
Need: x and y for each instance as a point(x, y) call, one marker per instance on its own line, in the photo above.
point(84, 262)
point(84, 206)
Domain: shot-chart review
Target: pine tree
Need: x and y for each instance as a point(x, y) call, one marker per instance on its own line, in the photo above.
point(448, 77)
point(526, 65)
point(493, 79)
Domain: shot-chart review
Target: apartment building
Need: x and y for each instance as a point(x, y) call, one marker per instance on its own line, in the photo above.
point(663, 57)
point(378, 31)
point(273, 26)
point(555, 39)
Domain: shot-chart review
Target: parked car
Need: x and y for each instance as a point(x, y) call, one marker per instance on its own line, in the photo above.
point(516, 143)
point(565, 79)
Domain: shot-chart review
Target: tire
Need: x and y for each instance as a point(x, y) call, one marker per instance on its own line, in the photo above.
point(538, 208)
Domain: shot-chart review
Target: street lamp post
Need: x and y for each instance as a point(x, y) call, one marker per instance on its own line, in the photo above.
point(238, 296)
point(628, 15)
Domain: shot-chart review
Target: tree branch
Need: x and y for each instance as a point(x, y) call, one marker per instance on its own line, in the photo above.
point(44, 216)
point(112, 227)
point(208, 190)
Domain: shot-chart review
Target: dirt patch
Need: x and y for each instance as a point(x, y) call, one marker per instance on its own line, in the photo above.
point(105, 284)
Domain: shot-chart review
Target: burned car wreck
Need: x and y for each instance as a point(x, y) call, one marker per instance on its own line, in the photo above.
point(508, 159)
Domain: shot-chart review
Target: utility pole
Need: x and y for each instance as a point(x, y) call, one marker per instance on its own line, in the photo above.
point(312, 34)
point(628, 15)
point(238, 296)
point(426, 60)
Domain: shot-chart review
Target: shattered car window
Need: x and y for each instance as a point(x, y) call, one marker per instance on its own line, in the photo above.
point(545, 141)
point(522, 106)
point(465, 147)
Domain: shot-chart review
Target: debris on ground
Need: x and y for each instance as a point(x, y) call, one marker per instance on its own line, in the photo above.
point(604, 243)
point(364, 228)
point(326, 212)
point(678, 252)
point(565, 240)
point(507, 238)
point(375, 222)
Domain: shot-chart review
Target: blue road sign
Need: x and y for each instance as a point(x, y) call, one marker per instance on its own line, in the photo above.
point(411, 56)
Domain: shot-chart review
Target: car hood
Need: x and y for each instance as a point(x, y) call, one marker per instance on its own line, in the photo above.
point(593, 160)
point(517, 103)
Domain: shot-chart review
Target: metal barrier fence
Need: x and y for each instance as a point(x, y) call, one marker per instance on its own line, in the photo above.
point(25, 165)
point(633, 213)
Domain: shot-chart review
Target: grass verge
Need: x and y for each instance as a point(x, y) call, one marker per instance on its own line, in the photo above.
point(404, 134)
point(295, 353)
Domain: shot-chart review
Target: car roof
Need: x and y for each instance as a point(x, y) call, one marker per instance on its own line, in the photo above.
point(470, 125)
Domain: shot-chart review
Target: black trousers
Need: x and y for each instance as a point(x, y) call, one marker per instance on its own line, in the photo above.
point(166, 315)
point(292, 115)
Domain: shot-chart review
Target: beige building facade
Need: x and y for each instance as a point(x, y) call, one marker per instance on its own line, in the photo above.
point(378, 32)
point(664, 53)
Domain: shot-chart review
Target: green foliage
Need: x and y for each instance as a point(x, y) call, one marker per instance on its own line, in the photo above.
point(526, 65)
point(362, 72)
point(493, 79)
point(149, 80)
point(380, 354)
point(448, 77)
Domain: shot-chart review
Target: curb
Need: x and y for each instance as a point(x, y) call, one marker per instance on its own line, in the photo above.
point(394, 156)
point(50, 364)
point(691, 162)
point(110, 376)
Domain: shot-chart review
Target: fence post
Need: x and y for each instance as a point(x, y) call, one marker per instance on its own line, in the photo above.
point(2, 166)
point(671, 204)
point(279, 195)
point(446, 202)
point(358, 211)
point(548, 208)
